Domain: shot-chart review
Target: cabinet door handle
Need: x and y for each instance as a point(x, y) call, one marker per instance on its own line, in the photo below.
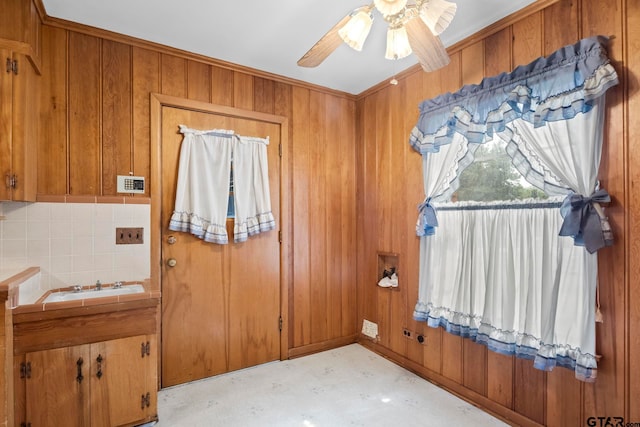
point(79, 363)
point(99, 359)
point(9, 65)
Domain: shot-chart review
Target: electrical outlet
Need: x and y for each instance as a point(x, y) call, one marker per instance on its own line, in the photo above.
point(407, 333)
point(129, 235)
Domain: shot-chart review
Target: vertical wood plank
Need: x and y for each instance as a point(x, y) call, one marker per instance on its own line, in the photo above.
point(347, 146)
point(415, 193)
point(52, 138)
point(116, 114)
point(633, 89)
point(317, 217)
point(607, 395)
point(397, 198)
point(243, 90)
point(368, 232)
point(562, 393)
point(527, 39)
point(263, 95)
point(561, 25)
point(472, 58)
point(500, 379)
point(146, 80)
point(301, 189)
point(85, 168)
point(221, 86)
point(173, 76)
point(529, 394)
point(497, 53)
point(383, 169)
point(333, 217)
point(198, 81)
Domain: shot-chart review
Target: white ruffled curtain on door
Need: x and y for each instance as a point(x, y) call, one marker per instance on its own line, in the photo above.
point(504, 274)
point(202, 191)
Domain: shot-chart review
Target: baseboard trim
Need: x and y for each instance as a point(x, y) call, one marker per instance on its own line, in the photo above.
point(505, 414)
point(322, 346)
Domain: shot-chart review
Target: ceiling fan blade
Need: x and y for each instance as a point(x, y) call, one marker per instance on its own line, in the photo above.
point(428, 48)
point(324, 47)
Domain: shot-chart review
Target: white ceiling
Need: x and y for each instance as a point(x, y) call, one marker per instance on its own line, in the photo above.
point(270, 35)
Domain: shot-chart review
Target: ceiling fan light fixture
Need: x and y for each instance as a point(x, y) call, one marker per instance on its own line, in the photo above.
point(398, 45)
point(438, 14)
point(390, 7)
point(355, 31)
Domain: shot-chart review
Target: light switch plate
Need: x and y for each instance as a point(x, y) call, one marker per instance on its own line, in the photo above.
point(129, 235)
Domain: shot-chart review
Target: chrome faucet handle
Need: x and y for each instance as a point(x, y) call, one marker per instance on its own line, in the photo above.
point(77, 288)
point(117, 284)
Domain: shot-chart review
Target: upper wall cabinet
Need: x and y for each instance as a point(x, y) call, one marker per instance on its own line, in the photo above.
point(20, 40)
point(20, 29)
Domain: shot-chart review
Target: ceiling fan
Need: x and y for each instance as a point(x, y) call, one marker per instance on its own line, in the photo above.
point(413, 26)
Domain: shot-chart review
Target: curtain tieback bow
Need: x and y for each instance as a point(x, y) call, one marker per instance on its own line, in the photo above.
point(427, 220)
point(582, 220)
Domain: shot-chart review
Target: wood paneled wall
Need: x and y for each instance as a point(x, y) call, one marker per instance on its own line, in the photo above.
point(390, 188)
point(95, 95)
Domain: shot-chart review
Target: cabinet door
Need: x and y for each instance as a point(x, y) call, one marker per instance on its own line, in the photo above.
point(57, 390)
point(6, 123)
point(19, 102)
point(24, 142)
point(121, 390)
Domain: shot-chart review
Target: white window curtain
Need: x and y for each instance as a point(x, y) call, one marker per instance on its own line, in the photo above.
point(505, 275)
point(202, 191)
point(251, 191)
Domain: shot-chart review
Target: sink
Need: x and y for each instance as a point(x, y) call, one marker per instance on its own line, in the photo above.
point(86, 294)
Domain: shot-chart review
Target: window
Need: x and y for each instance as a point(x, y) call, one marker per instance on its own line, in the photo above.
point(493, 177)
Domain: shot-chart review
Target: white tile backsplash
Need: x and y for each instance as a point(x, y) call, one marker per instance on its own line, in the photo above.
point(74, 243)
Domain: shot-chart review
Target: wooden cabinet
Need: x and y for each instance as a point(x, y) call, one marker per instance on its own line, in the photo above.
point(20, 44)
point(109, 383)
point(18, 127)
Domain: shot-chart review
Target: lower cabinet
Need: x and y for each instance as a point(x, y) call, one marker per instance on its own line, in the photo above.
point(109, 383)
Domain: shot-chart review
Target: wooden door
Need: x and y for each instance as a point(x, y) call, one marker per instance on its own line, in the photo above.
point(123, 374)
point(220, 303)
point(57, 392)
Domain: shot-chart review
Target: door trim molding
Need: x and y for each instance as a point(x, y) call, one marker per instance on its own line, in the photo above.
point(157, 102)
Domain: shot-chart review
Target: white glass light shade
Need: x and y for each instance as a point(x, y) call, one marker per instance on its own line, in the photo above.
point(356, 30)
point(438, 14)
point(390, 7)
point(397, 43)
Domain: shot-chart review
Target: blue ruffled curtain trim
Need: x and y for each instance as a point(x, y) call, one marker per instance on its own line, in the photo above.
point(545, 356)
point(582, 221)
point(550, 88)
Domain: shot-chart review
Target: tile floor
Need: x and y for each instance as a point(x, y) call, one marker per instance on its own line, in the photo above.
point(347, 386)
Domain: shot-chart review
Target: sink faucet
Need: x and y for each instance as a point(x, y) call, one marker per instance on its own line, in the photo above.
point(98, 285)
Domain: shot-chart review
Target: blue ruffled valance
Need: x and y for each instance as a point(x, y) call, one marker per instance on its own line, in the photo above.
point(551, 88)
